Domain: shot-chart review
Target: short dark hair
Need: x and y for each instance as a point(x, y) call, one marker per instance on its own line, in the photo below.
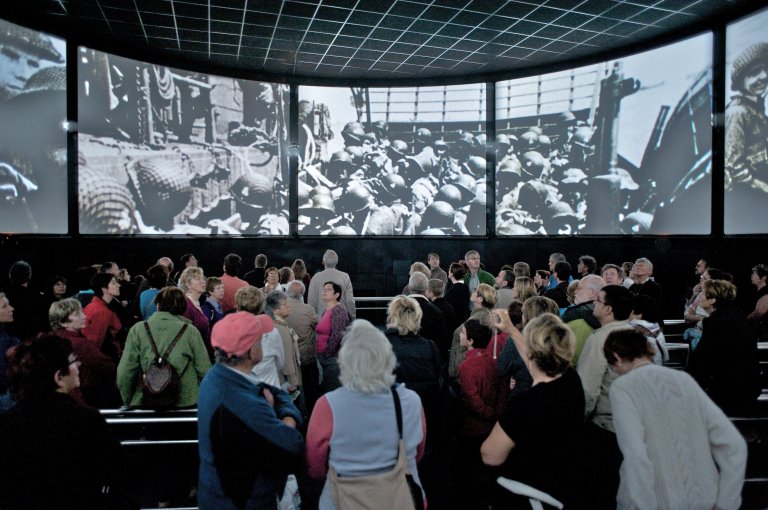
point(760, 269)
point(717, 274)
point(479, 333)
point(32, 366)
point(83, 277)
point(590, 263)
point(562, 271)
point(620, 299)
point(515, 310)
point(157, 276)
point(56, 279)
point(628, 344)
point(457, 270)
point(232, 264)
point(185, 258)
point(619, 270)
point(261, 260)
point(543, 274)
point(171, 300)
point(100, 281)
point(648, 307)
point(20, 272)
point(107, 266)
point(336, 289)
point(509, 277)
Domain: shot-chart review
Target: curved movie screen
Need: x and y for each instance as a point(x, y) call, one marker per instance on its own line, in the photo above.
point(746, 126)
point(33, 136)
point(392, 161)
point(169, 152)
point(621, 147)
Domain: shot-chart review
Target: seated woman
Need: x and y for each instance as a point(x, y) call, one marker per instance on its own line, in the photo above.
point(97, 370)
point(329, 333)
point(728, 346)
point(353, 429)
point(680, 450)
point(418, 359)
point(56, 453)
point(537, 437)
point(188, 357)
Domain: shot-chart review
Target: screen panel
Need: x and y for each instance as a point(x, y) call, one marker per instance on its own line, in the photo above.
point(620, 147)
point(746, 126)
point(164, 151)
point(392, 161)
point(33, 131)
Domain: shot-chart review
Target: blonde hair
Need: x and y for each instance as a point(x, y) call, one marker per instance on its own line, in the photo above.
point(525, 288)
point(550, 344)
point(61, 310)
point(421, 267)
point(571, 291)
point(538, 305)
point(722, 290)
point(249, 299)
point(404, 314)
point(488, 295)
point(188, 275)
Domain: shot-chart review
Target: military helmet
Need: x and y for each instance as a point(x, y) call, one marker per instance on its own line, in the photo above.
point(106, 206)
point(353, 133)
point(438, 215)
point(163, 189)
point(450, 194)
point(529, 140)
point(533, 164)
point(753, 55)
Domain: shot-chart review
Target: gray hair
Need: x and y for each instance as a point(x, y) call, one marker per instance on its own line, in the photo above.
point(594, 282)
point(557, 257)
point(295, 289)
point(273, 301)
point(643, 260)
point(418, 283)
point(330, 259)
point(366, 359)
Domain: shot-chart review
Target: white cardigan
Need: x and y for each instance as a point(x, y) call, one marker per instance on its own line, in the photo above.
point(680, 450)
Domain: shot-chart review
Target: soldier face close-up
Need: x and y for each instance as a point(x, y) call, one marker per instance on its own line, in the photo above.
point(16, 66)
point(756, 80)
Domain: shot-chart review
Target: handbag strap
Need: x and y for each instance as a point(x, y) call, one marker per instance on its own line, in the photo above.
point(398, 411)
point(170, 347)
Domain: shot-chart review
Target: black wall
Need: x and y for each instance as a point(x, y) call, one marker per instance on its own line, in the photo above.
point(379, 267)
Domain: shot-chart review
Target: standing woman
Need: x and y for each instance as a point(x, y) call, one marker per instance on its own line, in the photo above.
point(192, 283)
point(538, 434)
point(328, 334)
point(102, 324)
point(523, 288)
point(300, 272)
point(271, 280)
point(97, 370)
point(728, 346)
point(680, 450)
point(6, 341)
point(353, 430)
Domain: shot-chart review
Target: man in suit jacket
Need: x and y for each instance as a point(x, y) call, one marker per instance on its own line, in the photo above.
point(432, 322)
point(330, 274)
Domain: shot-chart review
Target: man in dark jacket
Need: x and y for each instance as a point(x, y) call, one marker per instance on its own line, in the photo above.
point(559, 293)
point(247, 431)
point(432, 322)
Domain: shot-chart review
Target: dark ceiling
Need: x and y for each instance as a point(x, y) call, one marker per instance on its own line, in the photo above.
point(372, 39)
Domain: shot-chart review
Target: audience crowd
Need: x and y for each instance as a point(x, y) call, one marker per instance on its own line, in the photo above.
point(552, 377)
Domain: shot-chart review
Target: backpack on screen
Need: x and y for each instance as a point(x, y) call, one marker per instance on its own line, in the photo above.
point(160, 383)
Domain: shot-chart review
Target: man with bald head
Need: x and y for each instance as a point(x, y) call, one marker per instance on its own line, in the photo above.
point(579, 316)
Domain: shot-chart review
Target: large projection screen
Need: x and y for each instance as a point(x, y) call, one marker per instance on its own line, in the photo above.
point(164, 151)
point(746, 126)
point(392, 161)
point(33, 132)
point(620, 147)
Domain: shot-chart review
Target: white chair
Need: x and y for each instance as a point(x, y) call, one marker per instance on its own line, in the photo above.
point(535, 496)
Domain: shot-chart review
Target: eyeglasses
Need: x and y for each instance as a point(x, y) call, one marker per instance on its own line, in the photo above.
point(603, 302)
point(74, 361)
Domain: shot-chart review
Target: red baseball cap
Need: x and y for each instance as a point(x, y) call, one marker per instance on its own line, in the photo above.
point(237, 332)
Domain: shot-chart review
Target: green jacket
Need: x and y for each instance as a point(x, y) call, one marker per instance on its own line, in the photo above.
point(189, 358)
point(483, 276)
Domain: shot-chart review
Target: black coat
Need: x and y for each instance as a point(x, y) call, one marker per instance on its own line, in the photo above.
point(559, 295)
point(432, 322)
point(725, 362)
point(458, 297)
